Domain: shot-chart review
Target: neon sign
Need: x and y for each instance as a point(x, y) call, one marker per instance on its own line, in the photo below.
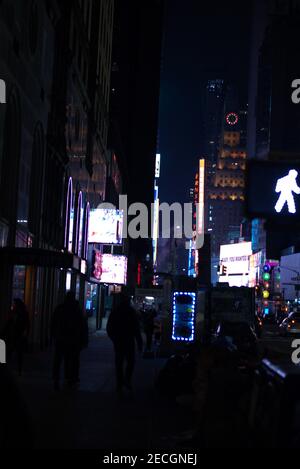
point(184, 307)
point(232, 118)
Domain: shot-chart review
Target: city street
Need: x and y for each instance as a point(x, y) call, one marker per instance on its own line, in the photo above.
point(277, 347)
point(149, 225)
point(93, 415)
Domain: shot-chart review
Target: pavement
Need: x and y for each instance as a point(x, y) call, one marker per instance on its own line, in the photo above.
point(93, 416)
point(276, 346)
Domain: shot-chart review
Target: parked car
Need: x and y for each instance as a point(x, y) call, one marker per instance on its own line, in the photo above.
point(290, 325)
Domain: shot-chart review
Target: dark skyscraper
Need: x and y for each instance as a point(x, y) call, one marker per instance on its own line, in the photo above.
point(213, 110)
point(134, 108)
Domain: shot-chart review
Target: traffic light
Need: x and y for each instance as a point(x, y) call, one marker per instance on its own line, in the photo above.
point(266, 281)
point(224, 270)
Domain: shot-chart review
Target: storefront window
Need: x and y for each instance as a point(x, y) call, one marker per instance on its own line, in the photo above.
point(68, 281)
point(3, 234)
point(91, 299)
point(18, 290)
point(77, 293)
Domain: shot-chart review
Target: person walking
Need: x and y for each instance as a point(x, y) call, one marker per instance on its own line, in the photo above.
point(148, 320)
point(16, 331)
point(124, 330)
point(69, 333)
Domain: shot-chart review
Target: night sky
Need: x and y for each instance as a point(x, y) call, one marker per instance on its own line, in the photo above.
point(200, 42)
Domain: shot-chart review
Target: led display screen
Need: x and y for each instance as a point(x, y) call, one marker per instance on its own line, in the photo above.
point(109, 268)
point(183, 316)
point(106, 226)
point(273, 190)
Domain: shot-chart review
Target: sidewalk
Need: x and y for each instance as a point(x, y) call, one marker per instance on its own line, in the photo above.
point(93, 417)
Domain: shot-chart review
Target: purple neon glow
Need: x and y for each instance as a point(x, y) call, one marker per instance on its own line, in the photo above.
point(86, 230)
point(68, 210)
point(79, 225)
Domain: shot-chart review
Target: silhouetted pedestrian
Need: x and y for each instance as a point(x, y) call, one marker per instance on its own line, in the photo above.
point(69, 332)
point(16, 331)
point(148, 322)
point(124, 330)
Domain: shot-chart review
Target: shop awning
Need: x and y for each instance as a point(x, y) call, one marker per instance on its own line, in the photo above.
point(39, 257)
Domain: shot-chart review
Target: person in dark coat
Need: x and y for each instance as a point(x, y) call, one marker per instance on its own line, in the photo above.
point(148, 320)
point(16, 331)
point(69, 333)
point(124, 330)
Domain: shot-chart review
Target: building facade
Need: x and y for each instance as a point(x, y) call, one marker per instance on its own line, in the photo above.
point(55, 61)
point(225, 197)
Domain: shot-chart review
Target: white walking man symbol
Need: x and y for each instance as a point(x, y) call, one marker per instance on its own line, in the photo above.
point(287, 185)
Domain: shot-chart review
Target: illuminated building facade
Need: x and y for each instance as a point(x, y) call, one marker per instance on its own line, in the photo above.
point(155, 227)
point(197, 196)
point(225, 196)
point(53, 163)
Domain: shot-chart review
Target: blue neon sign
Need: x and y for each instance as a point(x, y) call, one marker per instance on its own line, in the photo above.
point(184, 307)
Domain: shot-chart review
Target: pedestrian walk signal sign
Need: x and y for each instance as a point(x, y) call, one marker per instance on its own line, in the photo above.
point(287, 187)
point(273, 190)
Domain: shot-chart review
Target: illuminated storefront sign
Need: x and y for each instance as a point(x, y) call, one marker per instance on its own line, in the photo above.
point(184, 307)
point(109, 268)
point(105, 226)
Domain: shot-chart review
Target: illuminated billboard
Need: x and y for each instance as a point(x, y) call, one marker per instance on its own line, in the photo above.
point(184, 307)
point(235, 264)
point(109, 268)
point(201, 190)
point(255, 263)
point(273, 190)
point(105, 226)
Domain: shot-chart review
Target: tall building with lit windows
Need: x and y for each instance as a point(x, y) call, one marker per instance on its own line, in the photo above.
point(225, 196)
